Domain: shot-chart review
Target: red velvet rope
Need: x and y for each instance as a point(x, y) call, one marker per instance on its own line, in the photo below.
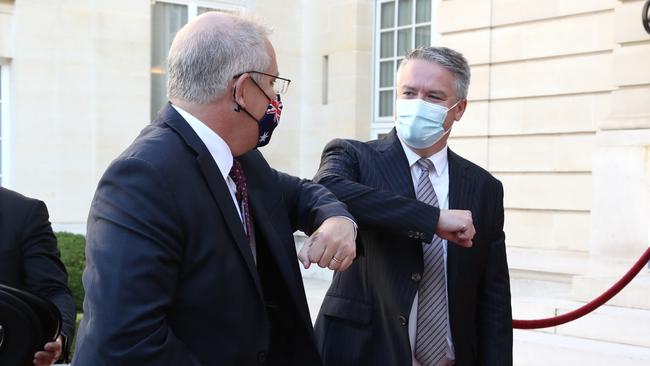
point(590, 306)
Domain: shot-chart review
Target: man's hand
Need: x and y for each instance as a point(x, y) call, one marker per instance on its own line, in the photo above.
point(51, 352)
point(331, 245)
point(456, 226)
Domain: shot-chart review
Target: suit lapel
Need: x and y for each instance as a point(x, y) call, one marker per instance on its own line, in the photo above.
point(459, 185)
point(394, 166)
point(216, 184)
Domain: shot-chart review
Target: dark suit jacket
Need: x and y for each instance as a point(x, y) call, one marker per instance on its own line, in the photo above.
point(364, 317)
point(170, 278)
point(29, 256)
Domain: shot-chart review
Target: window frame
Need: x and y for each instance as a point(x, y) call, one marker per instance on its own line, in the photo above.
point(381, 125)
point(192, 12)
point(193, 5)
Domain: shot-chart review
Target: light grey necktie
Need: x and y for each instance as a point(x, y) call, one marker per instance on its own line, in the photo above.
point(430, 337)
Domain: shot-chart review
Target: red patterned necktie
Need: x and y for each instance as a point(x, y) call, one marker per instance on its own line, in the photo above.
point(237, 175)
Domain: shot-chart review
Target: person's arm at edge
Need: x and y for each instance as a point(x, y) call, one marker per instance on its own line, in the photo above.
point(494, 306)
point(44, 271)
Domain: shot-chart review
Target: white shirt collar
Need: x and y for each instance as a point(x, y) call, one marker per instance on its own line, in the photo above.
point(438, 159)
point(216, 145)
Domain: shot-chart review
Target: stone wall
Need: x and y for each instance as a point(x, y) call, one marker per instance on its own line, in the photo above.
point(554, 82)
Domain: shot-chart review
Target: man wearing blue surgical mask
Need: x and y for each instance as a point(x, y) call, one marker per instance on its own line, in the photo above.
point(425, 289)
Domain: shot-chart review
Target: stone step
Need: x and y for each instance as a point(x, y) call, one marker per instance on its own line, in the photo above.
point(607, 323)
point(555, 265)
point(635, 295)
point(542, 349)
point(523, 286)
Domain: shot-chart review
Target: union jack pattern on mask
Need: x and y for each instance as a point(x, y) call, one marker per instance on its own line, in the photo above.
point(270, 121)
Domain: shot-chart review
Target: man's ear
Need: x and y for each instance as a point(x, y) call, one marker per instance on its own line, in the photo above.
point(239, 89)
point(462, 105)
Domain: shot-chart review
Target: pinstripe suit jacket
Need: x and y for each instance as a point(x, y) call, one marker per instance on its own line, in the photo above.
point(364, 316)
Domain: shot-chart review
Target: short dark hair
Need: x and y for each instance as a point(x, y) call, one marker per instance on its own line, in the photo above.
point(451, 60)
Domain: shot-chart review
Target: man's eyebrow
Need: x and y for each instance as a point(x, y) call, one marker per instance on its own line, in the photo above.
point(429, 91)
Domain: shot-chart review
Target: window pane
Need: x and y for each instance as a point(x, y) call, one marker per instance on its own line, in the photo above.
point(167, 19)
point(387, 15)
point(387, 44)
point(422, 11)
point(158, 93)
point(386, 103)
point(403, 41)
point(386, 73)
point(405, 12)
point(423, 36)
point(399, 61)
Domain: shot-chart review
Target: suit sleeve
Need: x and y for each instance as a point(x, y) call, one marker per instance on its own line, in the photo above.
point(134, 253)
point(373, 208)
point(308, 203)
point(495, 312)
point(44, 272)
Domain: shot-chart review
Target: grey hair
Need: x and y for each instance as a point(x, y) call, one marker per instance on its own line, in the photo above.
point(451, 60)
point(200, 64)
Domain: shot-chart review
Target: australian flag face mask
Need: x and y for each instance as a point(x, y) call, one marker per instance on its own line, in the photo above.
point(269, 121)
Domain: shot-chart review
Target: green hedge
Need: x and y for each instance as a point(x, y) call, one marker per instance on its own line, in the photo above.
point(72, 247)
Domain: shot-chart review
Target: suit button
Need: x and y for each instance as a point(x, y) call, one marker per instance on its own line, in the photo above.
point(261, 357)
point(416, 277)
point(402, 320)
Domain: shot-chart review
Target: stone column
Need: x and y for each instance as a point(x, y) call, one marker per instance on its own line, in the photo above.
point(621, 170)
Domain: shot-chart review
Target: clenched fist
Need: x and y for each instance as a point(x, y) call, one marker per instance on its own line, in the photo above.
point(332, 245)
point(456, 226)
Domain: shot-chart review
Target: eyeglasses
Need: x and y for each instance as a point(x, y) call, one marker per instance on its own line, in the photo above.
point(280, 85)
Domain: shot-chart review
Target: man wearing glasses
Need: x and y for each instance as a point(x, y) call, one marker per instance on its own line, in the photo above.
point(190, 254)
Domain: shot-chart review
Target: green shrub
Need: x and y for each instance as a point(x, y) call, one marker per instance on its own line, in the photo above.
point(72, 247)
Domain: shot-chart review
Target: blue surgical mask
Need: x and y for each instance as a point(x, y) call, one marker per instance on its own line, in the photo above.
point(420, 124)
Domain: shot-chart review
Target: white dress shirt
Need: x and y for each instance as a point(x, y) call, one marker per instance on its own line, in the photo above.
point(218, 149)
point(440, 181)
point(222, 155)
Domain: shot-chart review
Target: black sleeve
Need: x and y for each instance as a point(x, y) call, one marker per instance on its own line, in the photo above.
point(308, 203)
point(373, 208)
point(45, 274)
point(495, 312)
